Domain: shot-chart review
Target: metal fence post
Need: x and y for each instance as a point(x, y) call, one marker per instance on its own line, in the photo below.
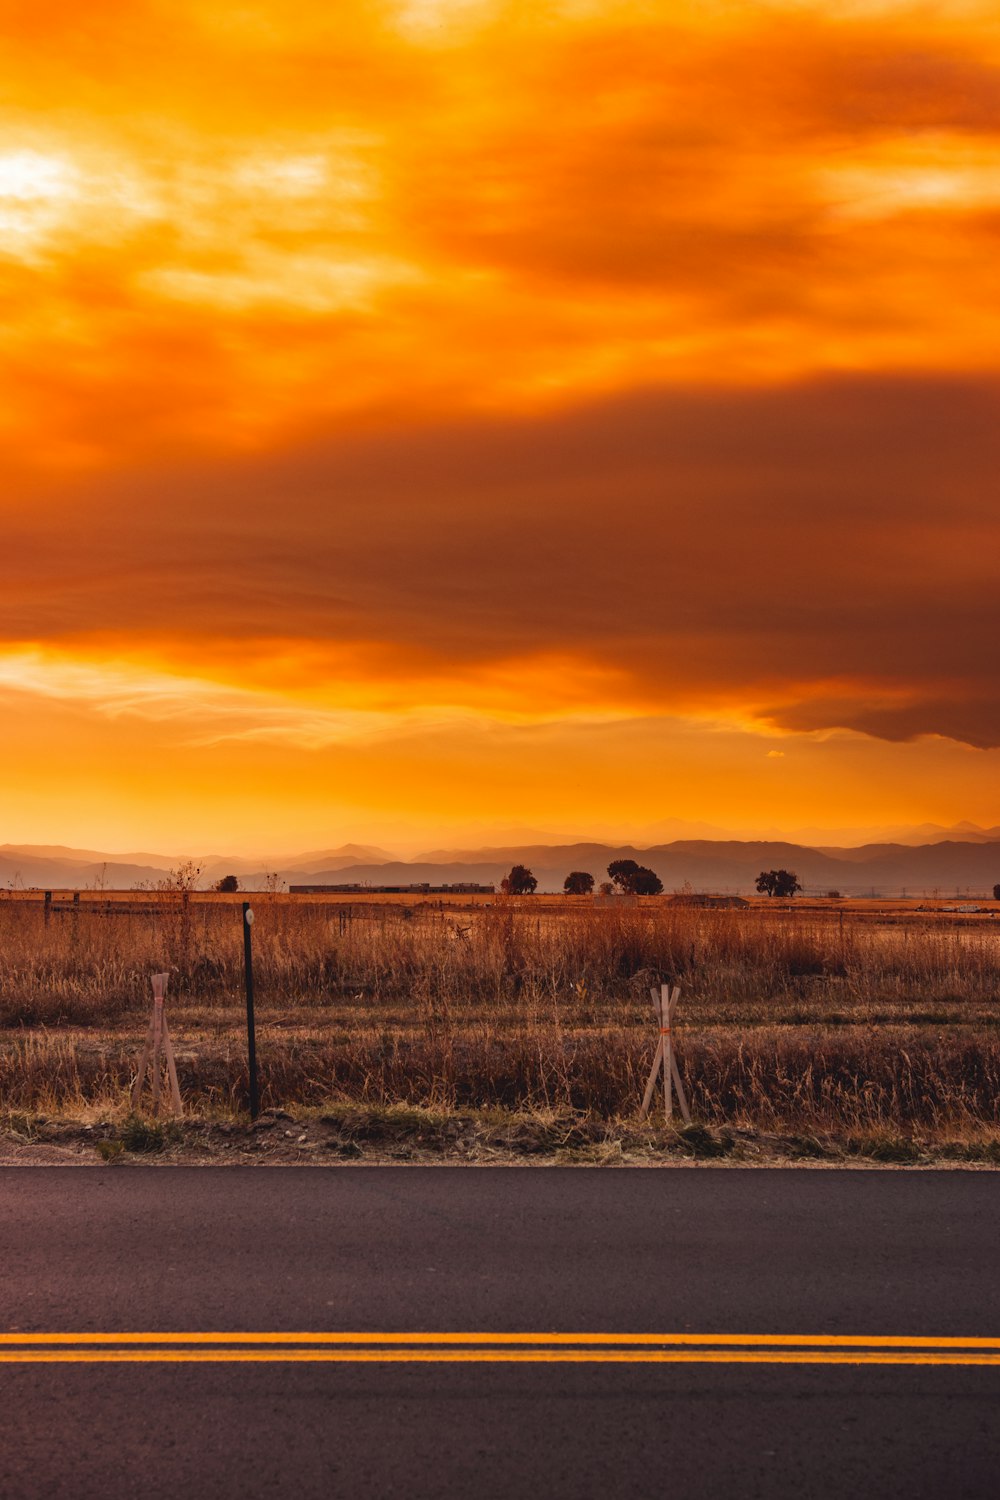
point(251, 1032)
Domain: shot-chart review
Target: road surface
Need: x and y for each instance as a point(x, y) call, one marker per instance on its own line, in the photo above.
point(689, 1257)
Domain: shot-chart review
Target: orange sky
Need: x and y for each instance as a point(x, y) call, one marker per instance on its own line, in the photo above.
point(441, 415)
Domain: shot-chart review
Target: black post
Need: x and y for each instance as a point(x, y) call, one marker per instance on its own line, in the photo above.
point(251, 1034)
point(48, 907)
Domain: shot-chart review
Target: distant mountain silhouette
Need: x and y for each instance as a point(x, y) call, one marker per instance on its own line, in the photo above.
point(948, 866)
point(728, 865)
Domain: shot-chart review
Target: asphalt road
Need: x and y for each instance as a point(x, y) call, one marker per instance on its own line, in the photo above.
point(489, 1251)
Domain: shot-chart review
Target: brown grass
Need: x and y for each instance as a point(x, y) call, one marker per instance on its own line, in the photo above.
point(802, 1024)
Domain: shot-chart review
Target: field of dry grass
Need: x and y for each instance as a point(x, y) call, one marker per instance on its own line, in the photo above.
point(799, 1024)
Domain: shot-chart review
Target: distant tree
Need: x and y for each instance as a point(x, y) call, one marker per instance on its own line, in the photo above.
point(996, 893)
point(646, 883)
point(520, 882)
point(778, 883)
point(605, 888)
point(621, 872)
point(228, 884)
point(633, 879)
point(578, 883)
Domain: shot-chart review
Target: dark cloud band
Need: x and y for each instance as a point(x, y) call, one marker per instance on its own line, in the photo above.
point(824, 552)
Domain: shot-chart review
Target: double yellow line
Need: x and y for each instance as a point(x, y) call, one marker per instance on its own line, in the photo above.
point(493, 1348)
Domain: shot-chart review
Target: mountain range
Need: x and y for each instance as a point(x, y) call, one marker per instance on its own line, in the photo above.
point(966, 863)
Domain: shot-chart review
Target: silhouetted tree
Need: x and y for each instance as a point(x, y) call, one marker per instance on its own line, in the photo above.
point(996, 893)
point(633, 879)
point(578, 883)
point(621, 872)
point(778, 883)
point(228, 884)
point(520, 882)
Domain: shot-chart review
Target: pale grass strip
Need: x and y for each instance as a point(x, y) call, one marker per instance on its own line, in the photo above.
point(486, 1356)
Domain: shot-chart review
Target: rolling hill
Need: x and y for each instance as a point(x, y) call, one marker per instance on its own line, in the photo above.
point(947, 867)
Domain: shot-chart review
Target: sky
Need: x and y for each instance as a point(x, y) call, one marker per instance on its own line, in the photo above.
point(425, 417)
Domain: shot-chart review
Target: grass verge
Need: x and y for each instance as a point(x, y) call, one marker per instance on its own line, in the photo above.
point(343, 1132)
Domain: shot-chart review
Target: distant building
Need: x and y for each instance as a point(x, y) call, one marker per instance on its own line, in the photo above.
point(695, 898)
point(462, 888)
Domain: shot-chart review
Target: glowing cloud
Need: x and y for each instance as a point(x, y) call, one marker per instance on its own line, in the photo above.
point(429, 378)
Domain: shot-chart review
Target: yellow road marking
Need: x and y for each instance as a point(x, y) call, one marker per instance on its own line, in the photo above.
point(491, 1356)
point(492, 1348)
point(745, 1340)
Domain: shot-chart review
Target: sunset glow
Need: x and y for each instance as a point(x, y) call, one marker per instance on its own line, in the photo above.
point(445, 415)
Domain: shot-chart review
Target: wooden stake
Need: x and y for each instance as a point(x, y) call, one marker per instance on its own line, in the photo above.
point(681, 1096)
point(175, 1091)
point(140, 1077)
point(654, 1074)
point(664, 1004)
point(158, 1049)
